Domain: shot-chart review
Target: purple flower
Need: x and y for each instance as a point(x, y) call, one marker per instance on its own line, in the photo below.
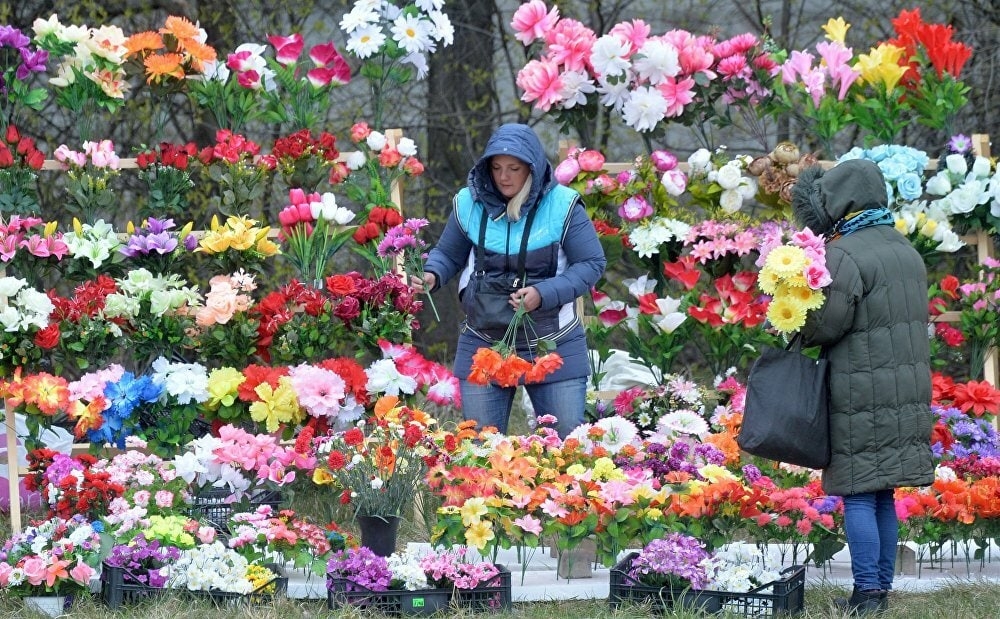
point(32, 62)
point(361, 567)
point(960, 144)
point(675, 560)
point(12, 37)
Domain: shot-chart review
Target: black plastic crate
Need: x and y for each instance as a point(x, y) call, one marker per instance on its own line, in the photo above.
point(116, 591)
point(341, 592)
point(780, 597)
point(211, 505)
point(228, 599)
point(491, 597)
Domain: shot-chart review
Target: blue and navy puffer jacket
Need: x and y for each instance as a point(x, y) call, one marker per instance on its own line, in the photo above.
point(564, 258)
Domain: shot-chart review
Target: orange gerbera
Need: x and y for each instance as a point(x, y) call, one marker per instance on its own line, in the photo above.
point(199, 53)
point(161, 66)
point(143, 42)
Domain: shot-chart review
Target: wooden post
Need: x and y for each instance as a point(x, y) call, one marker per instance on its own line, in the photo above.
point(986, 250)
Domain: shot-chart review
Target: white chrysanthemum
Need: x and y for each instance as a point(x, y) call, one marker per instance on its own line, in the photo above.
point(656, 60)
point(576, 86)
point(366, 41)
point(609, 56)
point(682, 422)
point(644, 108)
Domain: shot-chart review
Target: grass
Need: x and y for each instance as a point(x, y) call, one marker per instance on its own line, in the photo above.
point(956, 601)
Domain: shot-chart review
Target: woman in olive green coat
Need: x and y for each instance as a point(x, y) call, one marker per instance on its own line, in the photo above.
point(873, 328)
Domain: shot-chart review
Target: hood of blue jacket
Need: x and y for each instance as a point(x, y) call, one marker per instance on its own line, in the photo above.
point(518, 141)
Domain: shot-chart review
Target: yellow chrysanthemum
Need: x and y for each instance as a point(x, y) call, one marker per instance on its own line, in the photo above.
point(836, 29)
point(223, 384)
point(786, 314)
point(786, 261)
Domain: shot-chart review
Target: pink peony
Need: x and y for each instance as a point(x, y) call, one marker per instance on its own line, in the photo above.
point(532, 20)
point(541, 83)
point(663, 160)
point(566, 171)
point(674, 181)
point(591, 161)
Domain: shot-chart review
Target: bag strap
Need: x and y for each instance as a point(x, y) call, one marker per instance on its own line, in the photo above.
point(522, 251)
point(796, 342)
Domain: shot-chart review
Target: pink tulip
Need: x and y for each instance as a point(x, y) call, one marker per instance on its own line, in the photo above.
point(591, 161)
point(566, 171)
point(297, 196)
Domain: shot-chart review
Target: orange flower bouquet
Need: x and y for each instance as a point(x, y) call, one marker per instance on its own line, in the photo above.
point(502, 362)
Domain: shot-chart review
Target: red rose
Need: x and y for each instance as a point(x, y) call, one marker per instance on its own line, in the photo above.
point(340, 285)
point(348, 309)
point(48, 337)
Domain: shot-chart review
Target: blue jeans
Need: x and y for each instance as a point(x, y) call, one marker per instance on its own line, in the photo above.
point(489, 405)
point(872, 534)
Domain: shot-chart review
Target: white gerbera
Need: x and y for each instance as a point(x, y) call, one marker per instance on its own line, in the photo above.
point(618, 433)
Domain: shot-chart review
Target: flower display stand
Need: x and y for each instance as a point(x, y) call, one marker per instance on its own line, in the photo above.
point(781, 597)
point(50, 605)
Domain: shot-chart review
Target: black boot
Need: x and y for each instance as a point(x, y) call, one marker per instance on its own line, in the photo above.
point(863, 603)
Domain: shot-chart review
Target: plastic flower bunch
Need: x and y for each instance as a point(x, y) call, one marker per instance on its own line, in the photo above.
point(144, 562)
point(20, 160)
point(902, 167)
point(237, 243)
point(676, 561)
point(793, 274)
point(154, 312)
point(165, 169)
point(89, 175)
point(719, 185)
point(232, 163)
point(265, 534)
point(375, 170)
point(301, 97)
point(393, 42)
point(227, 334)
point(169, 57)
point(91, 72)
point(304, 160)
point(70, 485)
point(376, 465)
point(156, 245)
point(933, 62)
point(209, 567)
point(312, 230)
point(644, 79)
point(109, 404)
point(880, 106)
point(30, 246)
point(24, 318)
point(451, 569)
point(361, 566)
point(57, 557)
point(741, 568)
point(503, 364)
point(21, 63)
point(818, 95)
point(232, 90)
point(967, 192)
point(402, 246)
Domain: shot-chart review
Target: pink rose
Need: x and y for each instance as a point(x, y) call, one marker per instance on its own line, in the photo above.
point(206, 535)
point(591, 161)
point(635, 209)
point(82, 573)
point(817, 276)
point(566, 171)
point(34, 570)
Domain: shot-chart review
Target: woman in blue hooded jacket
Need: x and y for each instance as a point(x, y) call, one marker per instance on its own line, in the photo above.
point(517, 236)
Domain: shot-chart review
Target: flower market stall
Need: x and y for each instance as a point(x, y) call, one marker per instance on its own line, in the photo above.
point(187, 315)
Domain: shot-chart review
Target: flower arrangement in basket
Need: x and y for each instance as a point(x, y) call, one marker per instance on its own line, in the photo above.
point(56, 557)
point(20, 160)
point(377, 465)
point(143, 562)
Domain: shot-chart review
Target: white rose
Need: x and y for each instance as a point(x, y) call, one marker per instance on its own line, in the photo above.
point(747, 187)
point(731, 200)
point(376, 140)
point(355, 160)
point(939, 185)
point(981, 167)
point(729, 176)
point(700, 160)
point(956, 164)
point(406, 147)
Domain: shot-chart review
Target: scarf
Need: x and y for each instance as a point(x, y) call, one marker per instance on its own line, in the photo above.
point(852, 222)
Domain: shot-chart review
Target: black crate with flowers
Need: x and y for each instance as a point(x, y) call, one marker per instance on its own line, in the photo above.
point(677, 572)
point(215, 506)
point(401, 584)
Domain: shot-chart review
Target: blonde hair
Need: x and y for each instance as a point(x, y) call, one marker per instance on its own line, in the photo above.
point(515, 203)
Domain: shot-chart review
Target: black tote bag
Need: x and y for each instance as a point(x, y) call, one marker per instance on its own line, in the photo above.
point(786, 415)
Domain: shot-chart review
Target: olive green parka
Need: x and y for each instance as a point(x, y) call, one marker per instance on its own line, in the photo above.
point(873, 329)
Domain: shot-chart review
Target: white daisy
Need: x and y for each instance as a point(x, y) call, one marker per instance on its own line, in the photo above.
point(411, 33)
point(366, 41)
point(358, 17)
